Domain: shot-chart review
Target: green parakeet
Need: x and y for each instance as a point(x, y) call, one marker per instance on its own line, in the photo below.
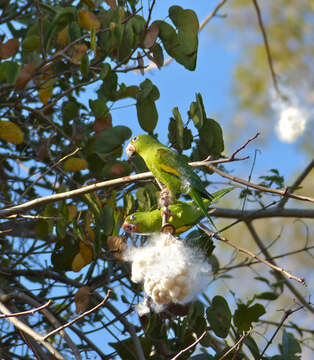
point(184, 216)
point(170, 169)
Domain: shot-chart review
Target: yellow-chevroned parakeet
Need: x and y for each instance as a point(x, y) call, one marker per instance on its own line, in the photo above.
point(170, 169)
point(184, 215)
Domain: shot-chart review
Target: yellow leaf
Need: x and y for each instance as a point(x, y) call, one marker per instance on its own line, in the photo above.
point(63, 37)
point(78, 262)
point(11, 132)
point(87, 20)
point(45, 94)
point(86, 252)
point(75, 164)
point(72, 209)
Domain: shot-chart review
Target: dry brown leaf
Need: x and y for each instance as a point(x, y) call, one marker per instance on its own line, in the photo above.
point(78, 52)
point(111, 3)
point(116, 170)
point(117, 245)
point(9, 48)
point(24, 76)
point(101, 125)
point(151, 36)
point(82, 299)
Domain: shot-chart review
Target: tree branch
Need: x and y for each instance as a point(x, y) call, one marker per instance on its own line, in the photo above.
point(297, 182)
point(268, 256)
point(109, 292)
point(247, 252)
point(26, 329)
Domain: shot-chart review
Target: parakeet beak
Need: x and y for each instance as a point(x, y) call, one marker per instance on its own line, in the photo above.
point(129, 227)
point(130, 151)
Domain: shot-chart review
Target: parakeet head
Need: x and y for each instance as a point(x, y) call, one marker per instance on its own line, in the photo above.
point(140, 144)
point(130, 223)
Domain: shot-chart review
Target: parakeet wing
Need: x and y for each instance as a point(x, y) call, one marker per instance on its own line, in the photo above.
point(174, 169)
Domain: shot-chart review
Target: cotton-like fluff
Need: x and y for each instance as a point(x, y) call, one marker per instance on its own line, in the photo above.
point(171, 272)
point(291, 125)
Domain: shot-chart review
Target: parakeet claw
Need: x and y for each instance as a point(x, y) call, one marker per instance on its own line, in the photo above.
point(168, 229)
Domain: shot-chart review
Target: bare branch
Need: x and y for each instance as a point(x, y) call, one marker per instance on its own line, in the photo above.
point(26, 329)
point(297, 182)
point(47, 171)
point(32, 311)
point(190, 346)
point(268, 256)
point(284, 318)
point(268, 52)
point(237, 345)
point(109, 292)
point(247, 252)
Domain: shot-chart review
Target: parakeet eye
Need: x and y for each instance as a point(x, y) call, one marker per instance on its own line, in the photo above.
point(135, 138)
point(132, 217)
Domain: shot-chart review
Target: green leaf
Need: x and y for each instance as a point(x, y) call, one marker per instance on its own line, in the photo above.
point(111, 139)
point(176, 131)
point(219, 316)
point(99, 108)
point(126, 92)
point(197, 112)
point(107, 219)
point(267, 296)
point(9, 70)
point(200, 240)
point(108, 87)
point(220, 193)
point(42, 228)
point(158, 55)
point(290, 346)
point(251, 344)
point(202, 357)
point(145, 106)
point(126, 350)
point(84, 66)
point(210, 139)
point(244, 315)
point(64, 253)
point(31, 43)
point(182, 46)
point(70, 110)
point(74, 31)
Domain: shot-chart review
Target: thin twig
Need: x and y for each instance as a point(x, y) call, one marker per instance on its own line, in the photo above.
point(297, 182)
point(268, 256)
point(32, 311)
point(40, 25)
point(190, 346)
point(284, 318)
point(109, 292)
point(46, 172)
point(247, 252)
point(28, 330)
point(254, 186)
point(267, 48)
point(236, 345)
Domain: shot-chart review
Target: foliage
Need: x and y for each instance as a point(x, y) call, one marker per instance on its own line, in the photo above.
point(51, 53)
